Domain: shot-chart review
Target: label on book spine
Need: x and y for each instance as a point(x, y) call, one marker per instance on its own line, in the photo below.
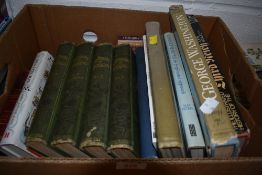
point(209, 106)
point(21, 117)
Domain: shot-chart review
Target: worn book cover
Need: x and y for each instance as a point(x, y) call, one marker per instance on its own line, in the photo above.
point(67, 128)
point(236, 119)
point(219, 133)
point(94, 132)
point(43, 123)
point(169, 137)
point(123, 126)
point(189, 119)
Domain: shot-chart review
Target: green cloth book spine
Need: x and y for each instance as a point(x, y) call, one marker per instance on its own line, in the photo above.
point(67, 128)
point(45, 117)
point(95, 117)
point(122, 137)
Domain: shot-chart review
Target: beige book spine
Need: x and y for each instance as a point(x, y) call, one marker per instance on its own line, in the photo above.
point(167, 126)
point(219, 127)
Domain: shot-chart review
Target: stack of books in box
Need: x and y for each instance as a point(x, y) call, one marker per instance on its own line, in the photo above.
point(93, 104)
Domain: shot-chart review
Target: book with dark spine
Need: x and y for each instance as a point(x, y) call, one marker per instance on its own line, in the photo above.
point(123, 126)
point(147, 149)
point(65, 135)
point(220, 136)
point(39, 135)
point(237, 121)
point(96, 115)
point(169, 137)
point(195, 143)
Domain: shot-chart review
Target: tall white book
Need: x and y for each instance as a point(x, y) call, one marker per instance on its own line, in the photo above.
point(149, 91)
point(188, 115)
point(13, 141)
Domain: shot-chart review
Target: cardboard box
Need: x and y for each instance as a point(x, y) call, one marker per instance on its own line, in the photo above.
point(43, 27)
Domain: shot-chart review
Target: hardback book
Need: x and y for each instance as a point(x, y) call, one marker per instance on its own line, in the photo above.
point(168, 132)
point(133, 41)
point(123, 125)
point(40, 132)
point(150, 98)
point(236, 119)
point(13, 141)
point(147, 148)
point(195, 144)
point(65, 135)
point(96, 114)
point(220, 136)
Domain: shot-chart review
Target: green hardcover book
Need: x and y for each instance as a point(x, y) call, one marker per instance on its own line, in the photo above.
point(44, 119)
point(169, 137)
point(122, 136)
point(95, 117)
point(68, 124)
point(221, 138)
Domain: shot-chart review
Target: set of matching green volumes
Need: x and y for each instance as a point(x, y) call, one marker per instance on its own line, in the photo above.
point(89, 92)
point(96, 115)
point(70, 110)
